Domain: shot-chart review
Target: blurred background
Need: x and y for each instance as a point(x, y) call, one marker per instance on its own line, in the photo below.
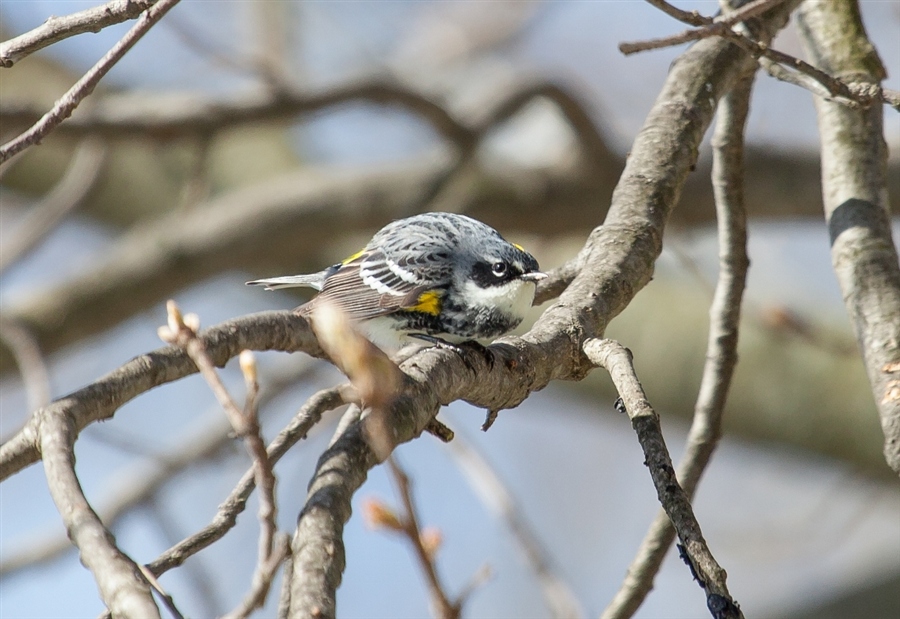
point(109, 217)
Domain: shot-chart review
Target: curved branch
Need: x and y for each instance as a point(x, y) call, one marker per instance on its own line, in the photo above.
point(123, 588)
point(139, 485)
point(178, 115)
point(854, 183)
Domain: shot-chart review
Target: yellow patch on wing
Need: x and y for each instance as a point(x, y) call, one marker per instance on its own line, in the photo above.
point(350, 259)
point(519, 247)
point(428, 302)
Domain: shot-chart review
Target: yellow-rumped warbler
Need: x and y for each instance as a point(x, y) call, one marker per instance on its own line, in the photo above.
point(434, 277)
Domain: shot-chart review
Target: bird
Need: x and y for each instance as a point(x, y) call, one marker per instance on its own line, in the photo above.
point(438, 278)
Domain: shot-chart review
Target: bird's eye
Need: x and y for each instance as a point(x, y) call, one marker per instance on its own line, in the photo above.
point(499, 269)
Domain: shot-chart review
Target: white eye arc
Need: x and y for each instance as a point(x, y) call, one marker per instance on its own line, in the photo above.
point(499, 269)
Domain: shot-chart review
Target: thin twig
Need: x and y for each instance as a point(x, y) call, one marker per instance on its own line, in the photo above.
point(78, 180)
point(234, 504)
point(721, 352)
point(64, 106)
point(792, 68)
point(182, 331)
point(617, 360)
point(713, 26)
point(494, 493)
point(444, 608)
point(57, 29)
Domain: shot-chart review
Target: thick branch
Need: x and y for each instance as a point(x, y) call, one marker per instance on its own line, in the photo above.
point(854, 156)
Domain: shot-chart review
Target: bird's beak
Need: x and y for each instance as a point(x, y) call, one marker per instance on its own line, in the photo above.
point(534, 276)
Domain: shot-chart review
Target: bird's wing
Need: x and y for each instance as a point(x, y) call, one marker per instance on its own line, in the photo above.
point(371, 285)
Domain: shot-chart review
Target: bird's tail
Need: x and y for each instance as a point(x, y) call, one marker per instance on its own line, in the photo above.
point(315, 280)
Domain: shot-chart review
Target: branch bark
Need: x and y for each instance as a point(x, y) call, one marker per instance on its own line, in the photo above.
point(854, 156)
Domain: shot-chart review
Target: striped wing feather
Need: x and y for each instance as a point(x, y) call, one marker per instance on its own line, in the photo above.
point(348, 290)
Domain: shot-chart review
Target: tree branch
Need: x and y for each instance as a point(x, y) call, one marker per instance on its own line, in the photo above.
point(778, 64)
point(100, 400)
point(57, 29)
point(721, 351)
point(713, 26)
point(706, 571)
point(64, 107)
point(854, 156)
point(122, 587)
point(444, 607)
point(178, 115)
